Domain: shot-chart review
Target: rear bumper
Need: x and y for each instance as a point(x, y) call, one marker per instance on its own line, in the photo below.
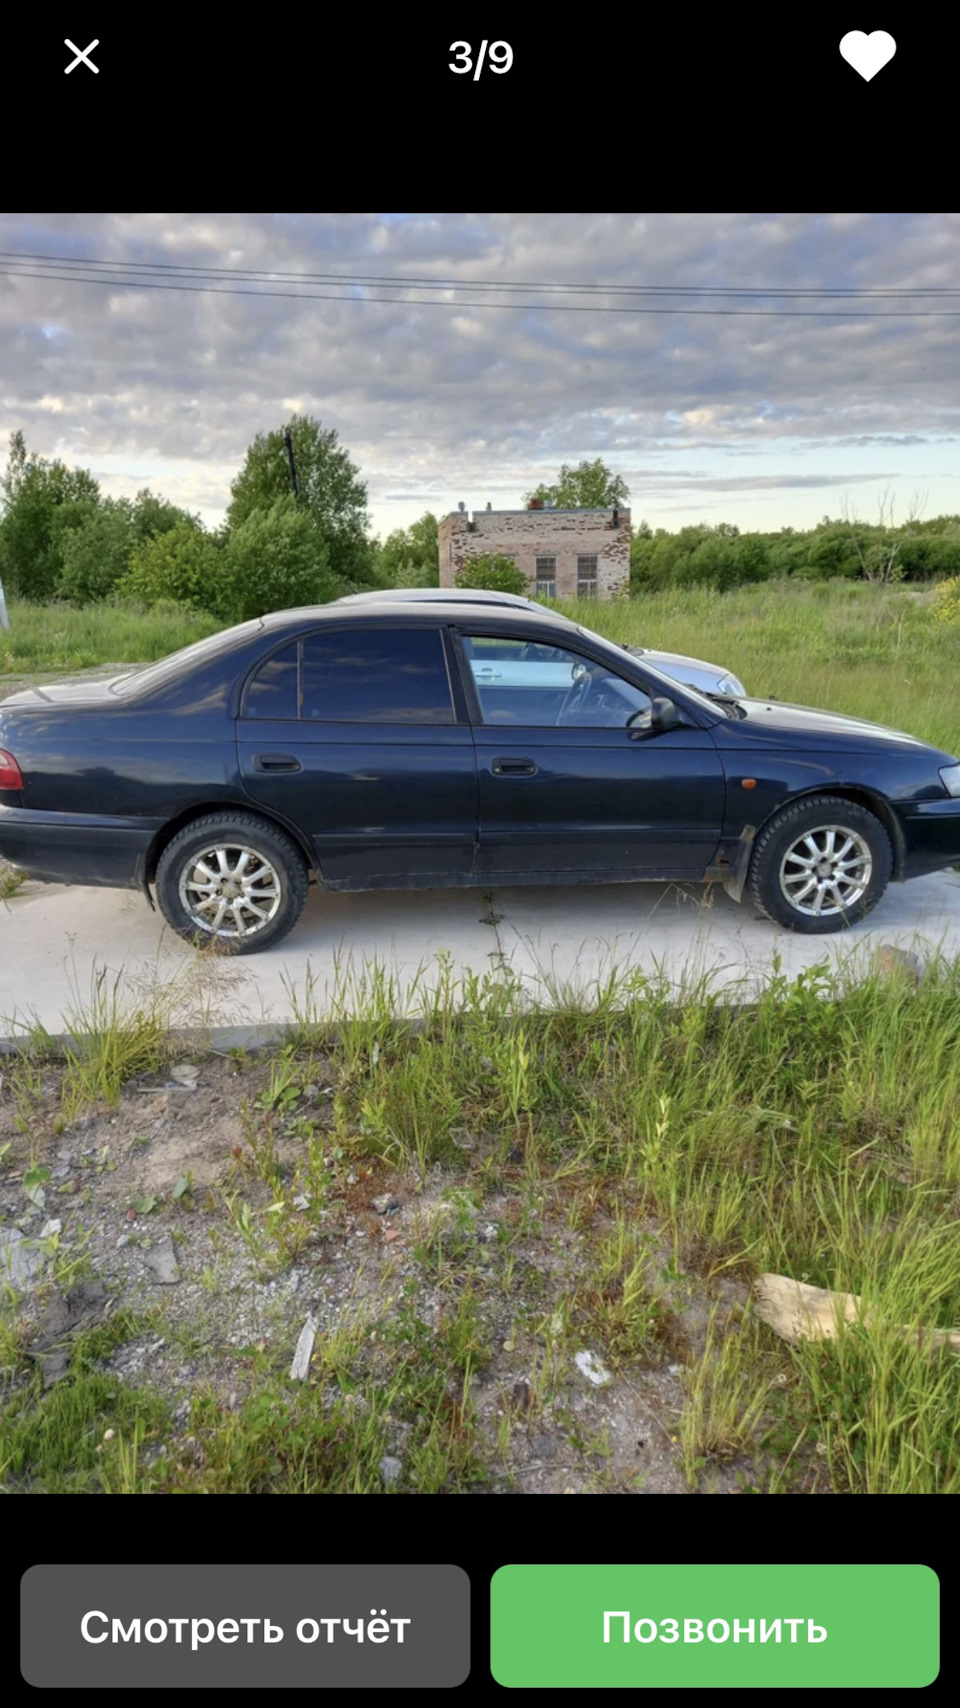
point(931, 833)
point(77, 848)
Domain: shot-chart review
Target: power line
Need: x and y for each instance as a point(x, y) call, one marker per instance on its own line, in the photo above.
point(510, 307)
point(254, 274)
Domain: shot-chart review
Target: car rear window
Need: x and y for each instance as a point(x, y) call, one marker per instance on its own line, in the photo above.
point(167, 669)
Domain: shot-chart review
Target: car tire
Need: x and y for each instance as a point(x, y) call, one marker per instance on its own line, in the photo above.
point(232, 880)
point(820, 865)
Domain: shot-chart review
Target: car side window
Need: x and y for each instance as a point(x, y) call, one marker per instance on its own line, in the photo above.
point(366, 675)
point(272, 690)
point(527, 682)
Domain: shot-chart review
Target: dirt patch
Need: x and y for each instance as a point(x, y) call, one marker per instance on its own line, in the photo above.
point(221, 1210)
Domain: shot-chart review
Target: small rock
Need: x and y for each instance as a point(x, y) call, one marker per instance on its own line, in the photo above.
point(161, 1263)
point(385, 1204)
point(310, 1092)
point(185, 1074)
point(674, 1369)
point(590, 1366)
point(122, 1241)
point(131, 1215)
point(302, 1202)
point(390, 1470)
point(391, 1234)
point(53, 1226)
point(891, 962)
point(20, 1262)
point(544, 1446)
point(488, 1234)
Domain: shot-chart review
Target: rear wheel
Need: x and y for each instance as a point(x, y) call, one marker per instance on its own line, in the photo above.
point(234, 880)
point(820, 865)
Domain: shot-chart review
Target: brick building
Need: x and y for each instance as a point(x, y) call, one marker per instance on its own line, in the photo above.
point(563, 553)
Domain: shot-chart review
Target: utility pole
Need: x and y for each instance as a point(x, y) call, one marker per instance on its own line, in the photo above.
point(288, 441)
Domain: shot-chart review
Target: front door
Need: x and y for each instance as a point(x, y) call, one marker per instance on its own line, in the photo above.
point(572, 785)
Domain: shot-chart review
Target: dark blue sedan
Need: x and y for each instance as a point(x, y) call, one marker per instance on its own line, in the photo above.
point(401, 746)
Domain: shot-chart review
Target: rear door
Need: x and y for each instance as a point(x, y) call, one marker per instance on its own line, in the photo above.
point(352, 734)
point(567, 789)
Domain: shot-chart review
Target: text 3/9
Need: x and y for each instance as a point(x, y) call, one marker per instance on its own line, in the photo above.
point(500, 58)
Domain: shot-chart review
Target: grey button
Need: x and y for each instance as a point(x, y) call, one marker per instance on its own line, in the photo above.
point(169, 1627)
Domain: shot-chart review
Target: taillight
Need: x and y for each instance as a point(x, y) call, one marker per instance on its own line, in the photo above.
point(10, 777)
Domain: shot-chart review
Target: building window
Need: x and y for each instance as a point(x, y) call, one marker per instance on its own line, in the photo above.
point(587, 577)
point(546, 584)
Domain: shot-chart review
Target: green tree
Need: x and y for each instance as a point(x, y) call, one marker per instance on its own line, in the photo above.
point(493, 572)
point(410, 557)
point(184, 565)
point(153, 515)
point(275, 561)
point(96, 553)
point(41, 500)
point(330, 491)
point(589, 486)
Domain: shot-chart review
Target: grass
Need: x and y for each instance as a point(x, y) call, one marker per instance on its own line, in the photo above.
point(873, 652)
point(63, 637)
point(812, 1132)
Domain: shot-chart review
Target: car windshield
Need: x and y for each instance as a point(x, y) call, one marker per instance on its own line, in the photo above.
point(165, 669)
point(670, 684)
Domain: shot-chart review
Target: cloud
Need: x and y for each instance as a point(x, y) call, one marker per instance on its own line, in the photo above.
point(441, 403)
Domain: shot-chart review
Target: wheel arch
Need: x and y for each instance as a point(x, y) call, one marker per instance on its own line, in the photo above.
point(189, 816)
point(869, 799)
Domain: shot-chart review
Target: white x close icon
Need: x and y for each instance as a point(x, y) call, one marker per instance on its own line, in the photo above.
point(81, 58)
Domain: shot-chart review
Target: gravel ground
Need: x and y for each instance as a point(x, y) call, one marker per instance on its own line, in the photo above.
point(143, 1192)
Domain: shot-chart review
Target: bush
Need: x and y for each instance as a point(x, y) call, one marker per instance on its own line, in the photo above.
point(946, 601)
point(493, 573)
point(96, 553)
point(184, 565)
point(275, 561)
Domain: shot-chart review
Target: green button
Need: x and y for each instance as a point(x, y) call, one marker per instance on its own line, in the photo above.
point(715, 1626)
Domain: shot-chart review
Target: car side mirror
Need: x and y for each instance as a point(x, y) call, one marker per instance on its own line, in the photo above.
point(664, 714)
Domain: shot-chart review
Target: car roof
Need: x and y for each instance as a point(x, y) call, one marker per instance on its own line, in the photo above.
point(405, 610)
point(430, 595)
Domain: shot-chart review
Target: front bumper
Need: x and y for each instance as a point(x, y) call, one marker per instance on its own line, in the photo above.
point(931, 836)
point(77, 848)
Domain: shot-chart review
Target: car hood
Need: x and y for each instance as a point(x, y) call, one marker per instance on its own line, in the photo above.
point(81, 690)
point(675, 658)
point(777, 718)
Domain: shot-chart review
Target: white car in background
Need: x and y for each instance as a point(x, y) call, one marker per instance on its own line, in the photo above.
point(696, 672)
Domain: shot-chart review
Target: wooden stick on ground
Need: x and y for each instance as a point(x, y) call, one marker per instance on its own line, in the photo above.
point(799, 1312)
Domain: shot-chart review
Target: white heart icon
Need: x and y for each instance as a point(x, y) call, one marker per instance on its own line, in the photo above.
point(868, 54)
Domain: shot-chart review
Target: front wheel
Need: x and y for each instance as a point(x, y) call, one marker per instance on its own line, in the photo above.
point(820, 865)
point(233, 880)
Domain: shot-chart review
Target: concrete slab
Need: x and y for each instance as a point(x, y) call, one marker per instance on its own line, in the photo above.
point(65, 950)
point(572, 939)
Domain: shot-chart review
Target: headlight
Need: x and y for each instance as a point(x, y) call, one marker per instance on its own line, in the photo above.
point(731, 685)
point(951, 778)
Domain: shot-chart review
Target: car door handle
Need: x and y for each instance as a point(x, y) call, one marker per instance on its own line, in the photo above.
point(276, 762)
point(486, 673)
point(513, 767)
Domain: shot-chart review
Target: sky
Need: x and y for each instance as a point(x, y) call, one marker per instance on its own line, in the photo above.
point(761, 421)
